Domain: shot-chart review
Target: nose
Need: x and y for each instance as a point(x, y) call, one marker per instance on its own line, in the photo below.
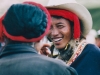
point(54, 32)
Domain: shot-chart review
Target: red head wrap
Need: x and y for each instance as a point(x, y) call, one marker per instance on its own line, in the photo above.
point(68, 15)
point(1, 29)
point(21, 38)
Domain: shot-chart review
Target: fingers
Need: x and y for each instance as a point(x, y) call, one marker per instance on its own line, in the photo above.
point(45, 51)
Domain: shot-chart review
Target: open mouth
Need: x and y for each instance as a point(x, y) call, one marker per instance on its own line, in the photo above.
point(56, 39)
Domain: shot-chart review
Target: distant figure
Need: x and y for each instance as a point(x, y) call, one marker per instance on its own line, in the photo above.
point(21, 28)
point(71, 22)
point(97, 39)
point(90, 38)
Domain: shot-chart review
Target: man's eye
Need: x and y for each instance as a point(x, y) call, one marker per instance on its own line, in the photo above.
point(60, 26)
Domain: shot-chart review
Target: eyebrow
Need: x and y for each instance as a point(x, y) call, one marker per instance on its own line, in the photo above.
point(59, 23)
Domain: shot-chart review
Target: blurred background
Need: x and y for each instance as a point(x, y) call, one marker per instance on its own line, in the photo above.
point(92, 5)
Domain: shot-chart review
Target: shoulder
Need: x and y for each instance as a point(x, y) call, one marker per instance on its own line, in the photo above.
point(49, 61)
point(91, 50)
point(57, 66)
point(92, 47)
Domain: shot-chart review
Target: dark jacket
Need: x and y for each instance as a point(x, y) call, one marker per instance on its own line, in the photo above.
point(88, 62)
point(21, 59)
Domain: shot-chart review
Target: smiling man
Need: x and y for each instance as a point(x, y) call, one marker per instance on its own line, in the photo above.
point(60, 31)
point(71, 22)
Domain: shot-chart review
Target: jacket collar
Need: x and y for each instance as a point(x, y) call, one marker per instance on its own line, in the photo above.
point(17, 48)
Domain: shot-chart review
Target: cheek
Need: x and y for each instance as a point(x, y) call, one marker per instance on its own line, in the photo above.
point(66, 31)
point(67, 34)
point(49, 35)
point(36, 46)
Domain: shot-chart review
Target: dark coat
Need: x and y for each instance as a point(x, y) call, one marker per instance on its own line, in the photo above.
point(21, 59)
point(88, 62)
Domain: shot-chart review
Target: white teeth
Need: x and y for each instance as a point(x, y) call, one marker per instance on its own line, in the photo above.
point(56, 40)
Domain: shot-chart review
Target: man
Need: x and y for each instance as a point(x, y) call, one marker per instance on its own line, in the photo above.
point(71, 22)
point(97, 38)
point(21, 28)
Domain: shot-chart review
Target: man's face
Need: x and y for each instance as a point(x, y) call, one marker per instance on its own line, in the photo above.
point(60, 32)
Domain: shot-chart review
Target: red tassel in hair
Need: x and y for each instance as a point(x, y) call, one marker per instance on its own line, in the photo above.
point(76, 28)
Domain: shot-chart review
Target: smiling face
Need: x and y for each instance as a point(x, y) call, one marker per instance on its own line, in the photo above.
point(60, 32)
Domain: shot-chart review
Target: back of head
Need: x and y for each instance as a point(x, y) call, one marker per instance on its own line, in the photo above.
point(27, 22)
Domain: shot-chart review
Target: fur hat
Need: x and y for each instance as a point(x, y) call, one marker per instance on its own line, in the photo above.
point(76, 8)
point(27, 22)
